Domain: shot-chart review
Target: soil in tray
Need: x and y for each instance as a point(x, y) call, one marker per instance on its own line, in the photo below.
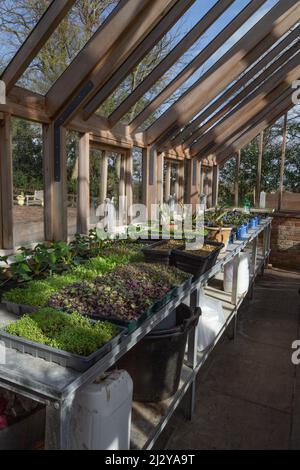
point(168, 245)
point(204, 251)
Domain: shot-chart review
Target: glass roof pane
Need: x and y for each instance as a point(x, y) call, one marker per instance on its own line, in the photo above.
point(220, 24)
point(65, 43)
point(194, 14)
point(17, 20)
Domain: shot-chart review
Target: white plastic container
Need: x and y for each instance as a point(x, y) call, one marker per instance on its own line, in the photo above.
point(243, 278)
point(211, 321)
point(102, 414)
point(262, 200)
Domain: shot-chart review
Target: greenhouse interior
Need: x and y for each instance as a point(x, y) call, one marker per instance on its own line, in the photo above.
point(149, 225)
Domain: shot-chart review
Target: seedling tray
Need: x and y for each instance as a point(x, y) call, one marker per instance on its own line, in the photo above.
point(153, 253)
point(195, 264)
point(18, 309)
point(62, 358)
point(132, 325)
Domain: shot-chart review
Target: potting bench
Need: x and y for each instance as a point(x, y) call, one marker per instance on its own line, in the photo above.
point(56, 386)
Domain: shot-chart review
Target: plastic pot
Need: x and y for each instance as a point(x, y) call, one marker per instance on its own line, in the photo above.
point(196, 264)
point(155, 363)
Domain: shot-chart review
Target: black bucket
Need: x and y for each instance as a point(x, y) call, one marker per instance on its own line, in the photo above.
point(155, 363)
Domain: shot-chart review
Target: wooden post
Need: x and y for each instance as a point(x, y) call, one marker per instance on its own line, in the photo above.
point(237, 179)
point(160, 178)
point(189, 182)
point(176, 185)
point(215, 185)
point(6, 186)
point(181, 182)
point(103, 176)
point(282, 162)
point(60, 196)
point(48, 170)
point(83, 184)
point(201, 173)
point(145, 175)
point(168, 182)
point(259, 166)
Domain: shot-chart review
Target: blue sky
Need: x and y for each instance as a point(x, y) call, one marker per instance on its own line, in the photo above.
point(193, 15)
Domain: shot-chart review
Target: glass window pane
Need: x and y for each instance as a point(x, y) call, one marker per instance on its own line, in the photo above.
point(28, 210)
point(17, 20)
point(137, 175)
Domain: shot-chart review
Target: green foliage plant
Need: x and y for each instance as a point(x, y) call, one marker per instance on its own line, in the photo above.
point(68, 332)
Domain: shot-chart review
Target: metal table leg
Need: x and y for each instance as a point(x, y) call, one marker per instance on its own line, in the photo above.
point(58, 424)
point(192, 356)
point(253, 266)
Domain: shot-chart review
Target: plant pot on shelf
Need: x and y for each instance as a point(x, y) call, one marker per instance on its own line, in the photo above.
point(160, 253)
point(220, 235)
point(161, 354)
point(199, 261)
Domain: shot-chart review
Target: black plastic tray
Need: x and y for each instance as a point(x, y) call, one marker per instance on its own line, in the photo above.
point(153, 254)
point(195, 264)
point(62, 358)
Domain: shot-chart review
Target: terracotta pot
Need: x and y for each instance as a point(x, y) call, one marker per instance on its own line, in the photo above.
point(219, 234)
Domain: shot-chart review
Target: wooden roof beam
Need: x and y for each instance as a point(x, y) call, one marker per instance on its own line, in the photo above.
point(133, 60)
point(267, 93)
point(264, 34)
point(242, 98)
point(244, 139)
point(188, 135)
point(265, 113)
point(54, 14)
point(113, 42)
point(192, 36)
point(195, 64)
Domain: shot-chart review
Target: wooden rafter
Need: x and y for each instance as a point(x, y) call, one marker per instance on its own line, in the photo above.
point(140, 52)
point(54, 14)
point(246, 92)
point(253, 128)
point(268, 111)
point(31, 106)
point(272, 99)
point(237, 59)
point(286, 74)
point(110, 46)
point(196, 63)
point(190, 132)
point(175, 54)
